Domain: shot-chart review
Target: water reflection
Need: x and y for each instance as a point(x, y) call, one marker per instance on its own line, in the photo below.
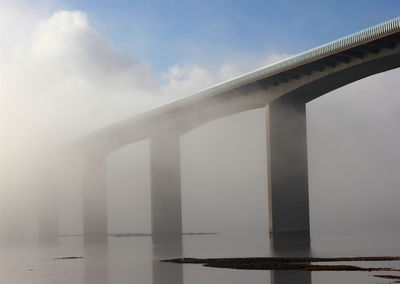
point(126, 259)
point(96, 260)
point(165, 247)
point(293, 245)
point(136, 259)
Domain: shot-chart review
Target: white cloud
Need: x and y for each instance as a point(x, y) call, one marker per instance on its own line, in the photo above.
point(60, 78)
point(67, 73)
point(184, 80)
point(273, 58)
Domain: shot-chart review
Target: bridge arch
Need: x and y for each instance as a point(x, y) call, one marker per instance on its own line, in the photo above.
point(181, 119)
point(284, 87)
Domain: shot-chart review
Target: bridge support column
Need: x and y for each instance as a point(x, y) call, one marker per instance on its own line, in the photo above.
point(48, 213)
point(166, 208)
point(95, 198)
point(288, 168)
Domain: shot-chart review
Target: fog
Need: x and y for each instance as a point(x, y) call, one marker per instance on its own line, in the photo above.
point(353, 159)
point(61, 79)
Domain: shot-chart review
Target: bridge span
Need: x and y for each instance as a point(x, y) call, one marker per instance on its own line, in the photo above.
point(283, 89)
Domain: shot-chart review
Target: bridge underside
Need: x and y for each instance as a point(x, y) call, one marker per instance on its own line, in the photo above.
point(287, 171)
point(284, 94)
point(287, 179)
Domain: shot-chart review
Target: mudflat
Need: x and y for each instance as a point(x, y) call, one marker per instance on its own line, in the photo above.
point(289, 263)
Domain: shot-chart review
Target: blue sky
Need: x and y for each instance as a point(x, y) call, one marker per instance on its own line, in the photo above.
point(170, 32)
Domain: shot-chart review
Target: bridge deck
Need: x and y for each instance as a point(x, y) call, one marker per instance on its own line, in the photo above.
point(357, 45)
point(373, 40)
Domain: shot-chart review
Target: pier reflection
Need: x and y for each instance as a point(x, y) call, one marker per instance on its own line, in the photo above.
point(166, 247)
point(293, 245)
point(96, 260)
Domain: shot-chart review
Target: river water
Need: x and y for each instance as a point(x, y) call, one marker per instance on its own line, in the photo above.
point(136, 260)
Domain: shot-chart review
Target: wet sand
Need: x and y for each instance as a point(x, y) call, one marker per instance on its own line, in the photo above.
point(288, 263)
point(389, 277)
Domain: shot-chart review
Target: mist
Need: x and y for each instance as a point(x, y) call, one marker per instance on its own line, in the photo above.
point(61, 79)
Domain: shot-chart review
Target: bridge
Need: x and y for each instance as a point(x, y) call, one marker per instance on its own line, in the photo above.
point(283, 89)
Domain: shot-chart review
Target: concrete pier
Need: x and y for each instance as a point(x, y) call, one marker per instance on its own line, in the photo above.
point(291, 246)
point(48, 213)
point(166, 208)
point(94, 198)
point(287, 167)
point(166, 273)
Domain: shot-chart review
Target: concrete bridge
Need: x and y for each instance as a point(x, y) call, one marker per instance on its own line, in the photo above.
point(283, 89)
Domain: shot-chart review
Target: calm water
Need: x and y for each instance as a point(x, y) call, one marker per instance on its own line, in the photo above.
point(135, 260)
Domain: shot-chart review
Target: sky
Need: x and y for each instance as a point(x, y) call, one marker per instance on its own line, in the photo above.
point(165, 33)
point(70, 67)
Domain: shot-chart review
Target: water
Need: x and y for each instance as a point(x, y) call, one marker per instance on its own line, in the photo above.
point(135, 260)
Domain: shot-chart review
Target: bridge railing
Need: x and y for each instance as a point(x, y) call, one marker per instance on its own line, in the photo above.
point(342, 44)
